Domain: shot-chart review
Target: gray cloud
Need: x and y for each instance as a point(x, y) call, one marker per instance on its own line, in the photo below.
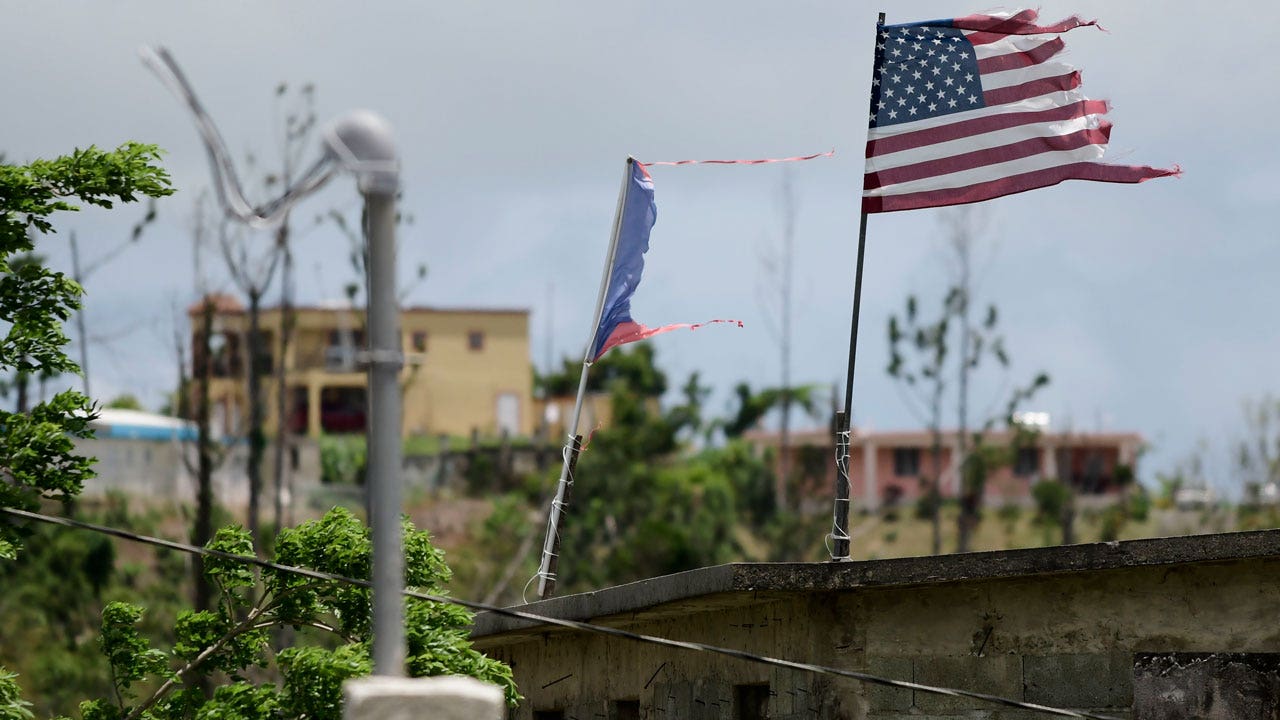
point(1150, 305)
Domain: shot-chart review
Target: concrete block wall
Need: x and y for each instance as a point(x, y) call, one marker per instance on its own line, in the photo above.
point(583, 676)
point(1066, 639)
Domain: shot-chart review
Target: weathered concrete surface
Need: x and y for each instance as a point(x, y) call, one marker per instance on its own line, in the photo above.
point(1079, 680)
point(650, 599)
point(1206, 686)
point(1057, 626)
point(433, 698)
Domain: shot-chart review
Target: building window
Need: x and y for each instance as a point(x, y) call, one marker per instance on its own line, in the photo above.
point(420, 341)
point(342, 350)
point(625, 710)
point(298, 411)
point(751, 702)
point(1027, 462)
point(906, 462)
point(342, 410)
point(475, 340)
point(342, 338)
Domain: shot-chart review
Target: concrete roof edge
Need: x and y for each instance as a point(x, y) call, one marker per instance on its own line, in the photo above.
point(747, 578)
point(614, 600)
point(998, 564)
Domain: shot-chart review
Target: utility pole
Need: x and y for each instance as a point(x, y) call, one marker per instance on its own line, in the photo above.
point(81, 276)
point(78, 276)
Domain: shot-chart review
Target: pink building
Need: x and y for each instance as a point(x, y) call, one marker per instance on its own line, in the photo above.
point(891, 466)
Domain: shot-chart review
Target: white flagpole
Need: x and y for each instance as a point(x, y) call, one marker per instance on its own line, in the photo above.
point(551, 545)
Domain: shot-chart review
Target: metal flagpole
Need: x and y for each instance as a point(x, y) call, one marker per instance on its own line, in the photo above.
point(840, 524)
point(551, 545)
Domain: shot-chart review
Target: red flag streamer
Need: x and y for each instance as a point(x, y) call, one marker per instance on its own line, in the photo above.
point(761, 161)
point(590, 436)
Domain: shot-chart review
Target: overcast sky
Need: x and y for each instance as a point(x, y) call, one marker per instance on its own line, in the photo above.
point(1151, 306)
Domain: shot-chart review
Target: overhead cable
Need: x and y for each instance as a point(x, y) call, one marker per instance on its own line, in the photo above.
point(559, 622)
point(226, 182)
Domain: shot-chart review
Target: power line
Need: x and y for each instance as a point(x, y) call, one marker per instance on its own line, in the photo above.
point(570, 624)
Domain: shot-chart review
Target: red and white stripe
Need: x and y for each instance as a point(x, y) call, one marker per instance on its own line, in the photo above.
point(1037, 129)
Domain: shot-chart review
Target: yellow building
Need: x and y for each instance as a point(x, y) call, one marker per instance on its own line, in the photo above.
point(467, 369)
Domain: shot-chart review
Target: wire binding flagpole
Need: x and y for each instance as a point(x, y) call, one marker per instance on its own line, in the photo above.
point(840, 523)
point(551, 544)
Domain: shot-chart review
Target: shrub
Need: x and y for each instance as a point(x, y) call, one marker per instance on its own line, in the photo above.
point(1009, 513)
point(342, 459)
point(1113, 520)
point(1140, 504)
point(1051, 497)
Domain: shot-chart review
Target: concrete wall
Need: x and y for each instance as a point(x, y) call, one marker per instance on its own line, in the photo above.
point(154, 470)
point(1063, 639)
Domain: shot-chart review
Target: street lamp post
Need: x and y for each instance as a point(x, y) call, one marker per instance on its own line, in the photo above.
point(359, 142)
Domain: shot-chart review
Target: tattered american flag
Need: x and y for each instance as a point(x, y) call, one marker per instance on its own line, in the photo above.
point(972, 108)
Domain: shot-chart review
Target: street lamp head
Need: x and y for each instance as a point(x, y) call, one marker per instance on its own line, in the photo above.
point(361, 142)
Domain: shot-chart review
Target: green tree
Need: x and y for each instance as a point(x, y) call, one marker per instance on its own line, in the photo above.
point(127, 401)
point(233, 637)
point(38, 462)
point(632, 368)
point(647, 504)
point(36, 448)
point(55, 590)
point(1257, 451)
point(12, 706)
point(919, 353)
point(750, 406)
point(37, 458)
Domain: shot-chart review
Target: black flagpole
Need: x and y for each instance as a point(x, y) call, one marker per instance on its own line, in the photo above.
point(840, 526)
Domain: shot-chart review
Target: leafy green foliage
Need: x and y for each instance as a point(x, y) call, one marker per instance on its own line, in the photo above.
point(125, 402)
point(1051, 497)
point(36, 448)
point(1114, 518)
point(54, 594)
point(234, 638)
point(242, 701)
point(919, 353)
point(130, 656)
point(313, 679)
point(12, 706)
point(152, 679)
point(342, 459)
point(629, 367)
point(1139, 504)
point(753, 406)
point(651, 506)
point(37, 460)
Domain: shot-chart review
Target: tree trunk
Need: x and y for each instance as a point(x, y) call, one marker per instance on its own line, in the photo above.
point(203, 531)
point(968, 519)
point(969, 496)
point(283, 410)
point(783, 490)
point(935, 491)
point(1068, 519)
point(257, 438)
point(22, 381)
